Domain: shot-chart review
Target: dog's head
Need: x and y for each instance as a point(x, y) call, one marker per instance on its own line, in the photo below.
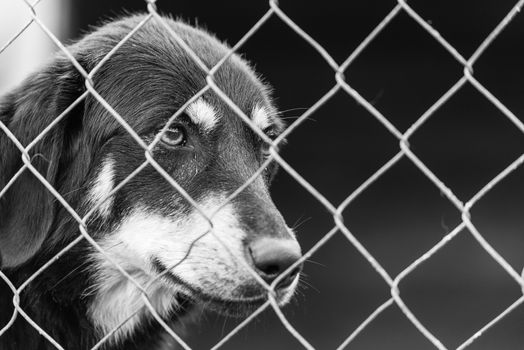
point(147, 226)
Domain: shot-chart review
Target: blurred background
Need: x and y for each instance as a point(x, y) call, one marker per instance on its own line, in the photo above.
point(402, 73)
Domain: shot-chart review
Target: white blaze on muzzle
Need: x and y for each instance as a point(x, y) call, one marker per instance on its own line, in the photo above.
point(198, 260)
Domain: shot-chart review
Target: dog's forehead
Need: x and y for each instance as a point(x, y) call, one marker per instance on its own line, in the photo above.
point(239, 88)
point(151, 76)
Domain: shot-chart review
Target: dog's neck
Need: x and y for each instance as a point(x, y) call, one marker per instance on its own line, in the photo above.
point(118, 307)
point(58, 301)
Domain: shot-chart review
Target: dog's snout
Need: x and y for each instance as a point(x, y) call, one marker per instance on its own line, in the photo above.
point(272, 256)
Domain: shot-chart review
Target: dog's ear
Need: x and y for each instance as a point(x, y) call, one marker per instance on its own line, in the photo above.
point(27, 208)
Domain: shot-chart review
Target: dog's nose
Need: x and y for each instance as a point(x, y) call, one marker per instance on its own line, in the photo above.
point(272, 256)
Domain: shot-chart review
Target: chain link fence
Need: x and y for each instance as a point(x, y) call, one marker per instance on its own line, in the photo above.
point(391, 283)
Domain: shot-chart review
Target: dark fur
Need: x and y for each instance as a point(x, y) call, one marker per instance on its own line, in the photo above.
point(146, 81)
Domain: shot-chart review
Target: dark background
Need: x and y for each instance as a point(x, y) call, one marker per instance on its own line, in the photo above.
point(465, 143)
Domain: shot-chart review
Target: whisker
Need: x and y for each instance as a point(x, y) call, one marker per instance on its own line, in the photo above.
point(303, 283)
point(291, 110)
point(83, 264)
point(300, 221)
point(315, 262)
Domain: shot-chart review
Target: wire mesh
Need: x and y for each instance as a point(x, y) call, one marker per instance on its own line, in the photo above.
point(339, 83)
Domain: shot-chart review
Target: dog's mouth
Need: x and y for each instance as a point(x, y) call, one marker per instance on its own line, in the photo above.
point(254, 296)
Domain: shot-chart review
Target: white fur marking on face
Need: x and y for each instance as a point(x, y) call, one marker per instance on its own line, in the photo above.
point(144, 236)
point(203, 114)
point(102, 186)
point(261, 117)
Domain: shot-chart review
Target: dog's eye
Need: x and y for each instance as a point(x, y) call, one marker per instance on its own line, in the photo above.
point(266, 146)
point(265, 150)
point(175, 136)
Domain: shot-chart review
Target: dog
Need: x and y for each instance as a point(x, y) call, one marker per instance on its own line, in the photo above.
point(146, 226)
